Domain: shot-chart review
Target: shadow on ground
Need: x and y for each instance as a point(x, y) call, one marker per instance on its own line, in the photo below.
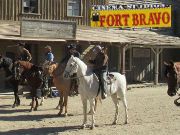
point(41, 131)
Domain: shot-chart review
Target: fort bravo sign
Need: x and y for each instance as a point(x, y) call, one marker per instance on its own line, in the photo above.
point(48, 29)
point(131, 15)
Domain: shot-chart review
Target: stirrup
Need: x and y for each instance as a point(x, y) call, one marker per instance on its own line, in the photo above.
point(103, 95)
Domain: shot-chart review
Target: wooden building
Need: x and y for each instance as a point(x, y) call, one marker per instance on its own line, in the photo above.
point(136, 52)
point(72, 10)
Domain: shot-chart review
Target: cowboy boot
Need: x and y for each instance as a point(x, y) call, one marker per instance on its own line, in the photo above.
point(103, 93)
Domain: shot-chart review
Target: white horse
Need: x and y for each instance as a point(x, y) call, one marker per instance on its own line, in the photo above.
point(88, 88)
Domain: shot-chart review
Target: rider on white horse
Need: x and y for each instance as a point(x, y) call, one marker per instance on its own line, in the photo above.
point(100, 66)
point(89, 84)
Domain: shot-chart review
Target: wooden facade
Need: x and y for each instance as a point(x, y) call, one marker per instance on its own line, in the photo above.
point(137, 67)
point(47, 9)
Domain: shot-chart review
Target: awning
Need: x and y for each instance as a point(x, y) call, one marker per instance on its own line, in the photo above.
point(87, 35)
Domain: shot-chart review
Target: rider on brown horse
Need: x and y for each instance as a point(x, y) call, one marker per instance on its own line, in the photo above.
point(49, 59)
point(23, 54)
point(74, 81)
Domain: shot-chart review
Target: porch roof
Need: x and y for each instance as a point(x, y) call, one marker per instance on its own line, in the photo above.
point(88, 35)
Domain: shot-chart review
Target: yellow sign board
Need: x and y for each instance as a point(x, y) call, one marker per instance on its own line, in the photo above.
point(149, 17)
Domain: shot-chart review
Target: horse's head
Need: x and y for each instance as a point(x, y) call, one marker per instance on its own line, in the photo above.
point(20, 67)
point(71, 67)
point(171, 77)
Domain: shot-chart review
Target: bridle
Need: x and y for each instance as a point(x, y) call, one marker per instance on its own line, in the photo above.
point(72, 67)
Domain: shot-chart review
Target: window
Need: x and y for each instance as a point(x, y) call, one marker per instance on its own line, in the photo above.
point(30, 6)
point(73, 7)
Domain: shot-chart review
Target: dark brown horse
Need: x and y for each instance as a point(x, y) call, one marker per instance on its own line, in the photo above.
point(172, 75)
point(12, 77)
point(32, 74)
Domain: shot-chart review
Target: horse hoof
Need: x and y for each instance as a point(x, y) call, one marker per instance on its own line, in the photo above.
point(59, 114)
point(13, 106)
point(126, 122)
point(35, 109)
point(30, 110)
point(114, 123)
point(83, 126)
point(65, 114)
point(92, 127)
point(58, 107)
point(17, 105)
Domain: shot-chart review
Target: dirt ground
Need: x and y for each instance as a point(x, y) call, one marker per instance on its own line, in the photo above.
point(151, 112)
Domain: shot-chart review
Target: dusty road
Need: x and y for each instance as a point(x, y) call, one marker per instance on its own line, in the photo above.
point(151, 112)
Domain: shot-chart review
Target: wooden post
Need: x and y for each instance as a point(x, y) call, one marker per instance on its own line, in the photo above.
point(122, 59)
point(156, 51)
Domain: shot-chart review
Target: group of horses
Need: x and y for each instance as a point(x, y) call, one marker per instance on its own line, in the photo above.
point(16, 71)
point(115, 83)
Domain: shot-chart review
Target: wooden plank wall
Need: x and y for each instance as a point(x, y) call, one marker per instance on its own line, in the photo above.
point(49, 9)
point(9, 9)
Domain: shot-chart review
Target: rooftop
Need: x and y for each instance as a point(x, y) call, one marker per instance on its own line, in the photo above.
point(110, 36)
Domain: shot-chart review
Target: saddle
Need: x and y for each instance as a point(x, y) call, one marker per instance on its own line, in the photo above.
point(110, 78)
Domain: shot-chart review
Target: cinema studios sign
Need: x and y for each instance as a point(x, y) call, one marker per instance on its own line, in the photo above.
point(148, 15)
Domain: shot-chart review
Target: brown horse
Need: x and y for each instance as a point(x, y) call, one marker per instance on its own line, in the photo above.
point(32, 74)
point(63, 85)
point(12, 76)
point(172, 75)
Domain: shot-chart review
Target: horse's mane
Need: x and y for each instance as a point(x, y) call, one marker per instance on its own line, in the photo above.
point(59, 69)
point(26, 65)
point(78, 60)
point(83, 64)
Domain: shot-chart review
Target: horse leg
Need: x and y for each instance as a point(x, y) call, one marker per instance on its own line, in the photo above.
point(17, 100)
point(92, 106)
point(84, 102)
point(42, 100)
point(65, 104)
point(32, 104)
point(95, 107)
point(126, 109)
point(116, 103)
point(35, 109)
point(42, 96)
point(61, 105)
point(58, 106)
